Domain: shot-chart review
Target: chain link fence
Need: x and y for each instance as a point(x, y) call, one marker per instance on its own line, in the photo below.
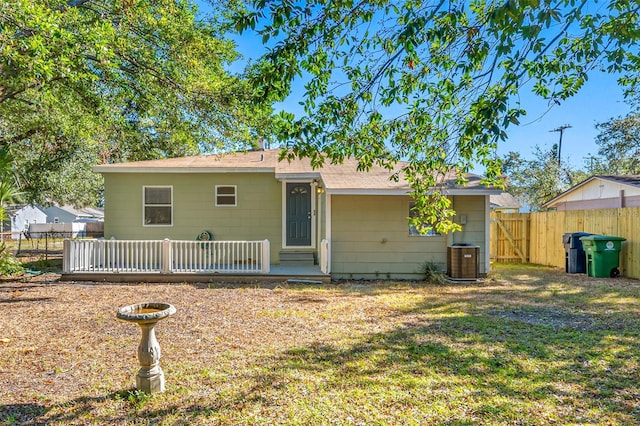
point(45, 244)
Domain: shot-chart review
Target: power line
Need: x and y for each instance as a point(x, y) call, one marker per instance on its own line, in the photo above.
point(561, 130)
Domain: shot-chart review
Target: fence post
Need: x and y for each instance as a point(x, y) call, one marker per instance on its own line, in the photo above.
point(266, 258)
point(325, 256)
point(167, 260)
point(66, 256)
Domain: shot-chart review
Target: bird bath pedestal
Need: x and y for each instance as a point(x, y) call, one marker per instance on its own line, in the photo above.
point(150, 377)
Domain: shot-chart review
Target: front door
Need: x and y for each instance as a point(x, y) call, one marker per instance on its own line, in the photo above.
point(298, 214)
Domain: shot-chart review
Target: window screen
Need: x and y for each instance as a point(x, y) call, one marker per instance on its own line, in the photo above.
point(158, 205)
point(226, 195)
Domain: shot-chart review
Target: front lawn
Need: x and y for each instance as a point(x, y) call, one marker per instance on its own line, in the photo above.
point(529, 346)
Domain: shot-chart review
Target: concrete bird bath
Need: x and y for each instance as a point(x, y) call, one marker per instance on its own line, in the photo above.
point(150, 377)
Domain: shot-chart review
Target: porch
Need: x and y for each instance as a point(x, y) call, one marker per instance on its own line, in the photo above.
point(183, 261)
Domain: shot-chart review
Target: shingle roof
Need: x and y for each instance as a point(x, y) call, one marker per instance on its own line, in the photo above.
point(91, 212)
point(632, 180)
point(504, 200)
point(83, 212)
point(336, 177)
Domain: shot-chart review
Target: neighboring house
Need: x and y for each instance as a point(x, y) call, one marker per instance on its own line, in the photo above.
point(70, 214)
point(599, 192)
point(504, 203)
point(23, 216)
point(360, 216)
point(37, 219)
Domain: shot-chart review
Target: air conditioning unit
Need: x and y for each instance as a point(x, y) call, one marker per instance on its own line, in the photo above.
point(463, 261)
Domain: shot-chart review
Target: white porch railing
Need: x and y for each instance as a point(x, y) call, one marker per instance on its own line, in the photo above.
point(325, 257)
point(166, 256)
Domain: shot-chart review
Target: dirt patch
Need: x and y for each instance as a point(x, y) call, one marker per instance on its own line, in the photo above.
point(63, 339)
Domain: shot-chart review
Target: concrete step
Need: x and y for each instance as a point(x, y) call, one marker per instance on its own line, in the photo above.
point(297, 257)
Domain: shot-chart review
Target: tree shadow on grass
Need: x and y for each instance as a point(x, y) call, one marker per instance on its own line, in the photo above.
point(21, 414)
point(446, 361)
point(40, 415)
point(579, 358)
point(463, 370)
point(26, 299)
point(87, 410)
point(523, 366)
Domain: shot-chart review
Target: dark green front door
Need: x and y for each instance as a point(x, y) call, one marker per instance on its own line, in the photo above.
point(298, 214)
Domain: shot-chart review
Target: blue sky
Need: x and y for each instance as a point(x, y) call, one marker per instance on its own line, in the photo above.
point(599, 100)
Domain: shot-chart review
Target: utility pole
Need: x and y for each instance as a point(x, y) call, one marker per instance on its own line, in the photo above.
point(561, 130)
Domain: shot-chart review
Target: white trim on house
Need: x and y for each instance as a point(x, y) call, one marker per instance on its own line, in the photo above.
point(328, 218)
point(283, 215)
point(144, 204)
point(314, 213)
point(291, 177)
point(318, 224)
point(487, 231)
point(356, 191)
point(327, 215)
point(235, 195)
point(103, 169)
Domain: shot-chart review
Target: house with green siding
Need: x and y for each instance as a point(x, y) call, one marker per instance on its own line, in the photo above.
point(358, 217)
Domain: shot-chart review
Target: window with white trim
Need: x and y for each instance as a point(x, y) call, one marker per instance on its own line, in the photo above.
point(413, 231)
point(158, 205)
point(226, 195)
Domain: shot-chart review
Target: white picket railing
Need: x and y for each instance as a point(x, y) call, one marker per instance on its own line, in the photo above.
point(325, 257)
point(166, 256)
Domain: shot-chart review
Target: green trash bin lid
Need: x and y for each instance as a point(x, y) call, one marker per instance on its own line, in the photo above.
point(602, 238)
point(602, 242)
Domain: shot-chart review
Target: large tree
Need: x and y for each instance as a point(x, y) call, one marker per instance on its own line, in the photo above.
point(9, 192)
point(432, 82)
point(536, 180)
point(92, 81)
point(618, 147)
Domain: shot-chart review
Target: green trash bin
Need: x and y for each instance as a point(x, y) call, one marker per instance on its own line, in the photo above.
point(603, 255)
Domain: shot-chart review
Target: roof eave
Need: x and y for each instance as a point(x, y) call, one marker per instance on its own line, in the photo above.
point(482, 191)
point(186, 169)
point(405, 191)
point(360, 191)
point(294, 176)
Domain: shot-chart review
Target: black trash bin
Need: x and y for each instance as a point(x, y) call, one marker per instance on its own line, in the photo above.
point(574, 255)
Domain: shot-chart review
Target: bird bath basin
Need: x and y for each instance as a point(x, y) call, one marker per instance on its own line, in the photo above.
point(150, 377)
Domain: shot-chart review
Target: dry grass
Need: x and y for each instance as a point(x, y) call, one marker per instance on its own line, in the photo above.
point(530, 346)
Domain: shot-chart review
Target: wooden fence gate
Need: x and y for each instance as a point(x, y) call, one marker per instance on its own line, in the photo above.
point(510, 242)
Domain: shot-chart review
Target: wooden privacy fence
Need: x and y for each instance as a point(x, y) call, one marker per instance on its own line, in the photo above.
point(537, 237)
